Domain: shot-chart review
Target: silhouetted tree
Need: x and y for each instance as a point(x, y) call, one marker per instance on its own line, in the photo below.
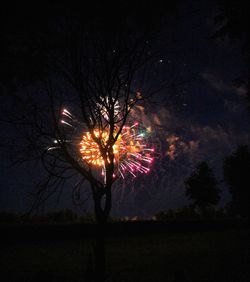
point(236, 173)
point(91, 66)
point(201, 187)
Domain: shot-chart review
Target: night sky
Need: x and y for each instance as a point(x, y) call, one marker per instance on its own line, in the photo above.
point(203, 118)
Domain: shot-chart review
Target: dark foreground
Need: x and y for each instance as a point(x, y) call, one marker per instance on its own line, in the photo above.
point(146, 252)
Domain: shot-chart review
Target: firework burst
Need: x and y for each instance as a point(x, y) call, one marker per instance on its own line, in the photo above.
point(132, 153)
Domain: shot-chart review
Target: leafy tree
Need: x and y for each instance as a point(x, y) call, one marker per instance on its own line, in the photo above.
point(236, 173)
point(201, 187)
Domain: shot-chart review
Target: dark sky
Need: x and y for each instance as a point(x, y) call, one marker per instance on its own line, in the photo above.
point(205, 119)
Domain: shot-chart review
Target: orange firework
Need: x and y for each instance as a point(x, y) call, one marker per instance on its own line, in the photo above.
point(90, 149)
point(130, 152)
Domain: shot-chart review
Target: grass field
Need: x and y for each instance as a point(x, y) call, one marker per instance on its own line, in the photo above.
point(199, 256)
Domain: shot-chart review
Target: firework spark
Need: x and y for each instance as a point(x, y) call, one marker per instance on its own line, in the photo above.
point(131, 153)
point(104, 105)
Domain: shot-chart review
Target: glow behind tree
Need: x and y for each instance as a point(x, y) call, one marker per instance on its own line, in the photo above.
point(131, 153)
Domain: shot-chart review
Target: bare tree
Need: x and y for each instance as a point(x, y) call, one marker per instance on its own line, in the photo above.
point(90, 88)
point(94, 64)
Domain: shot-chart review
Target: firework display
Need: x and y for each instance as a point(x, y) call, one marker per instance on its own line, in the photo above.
point(132, 154)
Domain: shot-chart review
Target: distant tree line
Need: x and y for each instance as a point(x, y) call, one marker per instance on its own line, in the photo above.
point(61, 216)
point(190, 213)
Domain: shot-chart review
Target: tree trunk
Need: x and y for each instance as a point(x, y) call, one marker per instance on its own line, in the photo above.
point(100, 234)
point(99, 253)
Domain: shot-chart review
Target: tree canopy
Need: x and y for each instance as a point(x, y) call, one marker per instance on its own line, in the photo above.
point(236, 173)
point(201, 187)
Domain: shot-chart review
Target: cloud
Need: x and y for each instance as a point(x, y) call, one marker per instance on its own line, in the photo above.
point(219, 84)
point(233, 107)
point(216, 82)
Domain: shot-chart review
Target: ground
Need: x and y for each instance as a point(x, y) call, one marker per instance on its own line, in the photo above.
point(175, 256)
